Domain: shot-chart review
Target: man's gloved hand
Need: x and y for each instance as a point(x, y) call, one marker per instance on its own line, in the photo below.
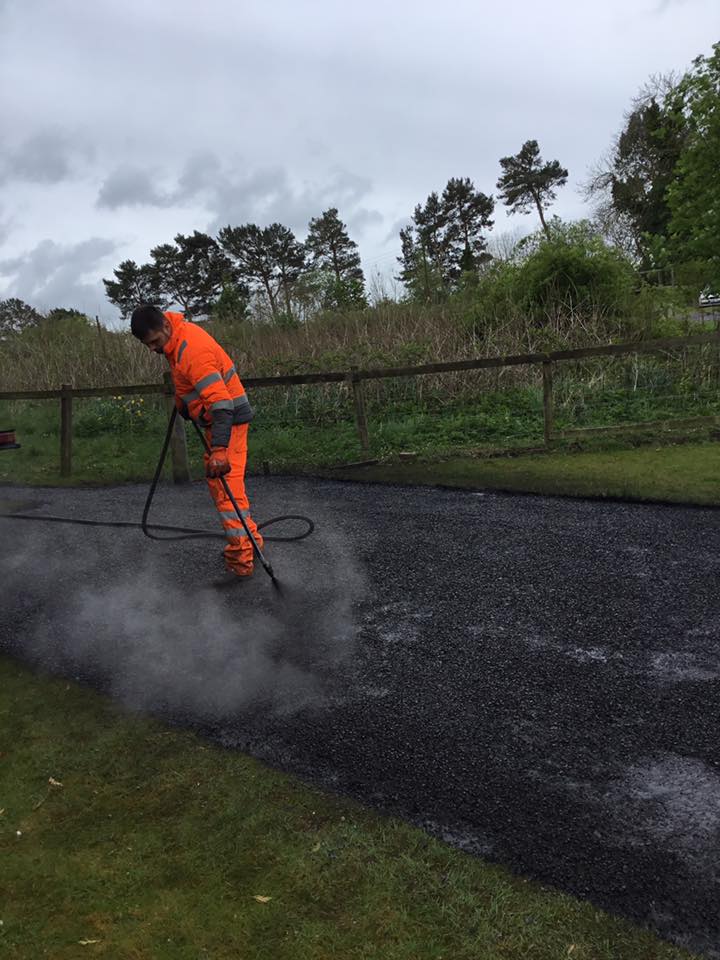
point(218, 464)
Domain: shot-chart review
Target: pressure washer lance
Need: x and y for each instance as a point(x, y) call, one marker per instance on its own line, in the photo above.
point(258, 552)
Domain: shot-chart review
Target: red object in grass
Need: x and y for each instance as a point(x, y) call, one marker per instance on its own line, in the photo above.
point(7, 440)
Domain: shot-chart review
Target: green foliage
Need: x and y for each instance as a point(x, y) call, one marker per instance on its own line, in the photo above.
point(67, 318)
point(661, 183)
point(117, 415)
point(343, 293)
point(16, 316)
point(59, 326)
point(574, 268)
point(232, 304)
point(694, 193)
point(468, 213)
point(571, 270)
point(190, 272)
point(682, 473)
point(645, 159)
point(632, 182)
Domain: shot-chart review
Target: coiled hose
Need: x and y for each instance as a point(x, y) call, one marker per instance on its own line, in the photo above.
point(182, 533)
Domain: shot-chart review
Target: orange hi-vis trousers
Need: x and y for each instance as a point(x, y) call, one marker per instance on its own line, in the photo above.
point(239, 552)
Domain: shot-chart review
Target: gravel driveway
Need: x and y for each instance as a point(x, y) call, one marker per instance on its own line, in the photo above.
point(534, 680)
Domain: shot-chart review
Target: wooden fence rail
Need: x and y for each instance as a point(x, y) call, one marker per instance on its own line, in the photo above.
point(355, 378)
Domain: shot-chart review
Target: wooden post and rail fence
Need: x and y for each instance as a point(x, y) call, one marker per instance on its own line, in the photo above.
point(355, 378)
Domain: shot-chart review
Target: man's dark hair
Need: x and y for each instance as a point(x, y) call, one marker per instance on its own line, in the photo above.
point(145, 318)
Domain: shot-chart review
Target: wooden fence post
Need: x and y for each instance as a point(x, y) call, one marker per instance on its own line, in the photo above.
point(360, 414)
point(548, 400)
point(178, 440)
point(66, 431)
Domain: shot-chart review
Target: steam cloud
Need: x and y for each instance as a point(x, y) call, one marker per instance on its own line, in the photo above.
point(159, 640)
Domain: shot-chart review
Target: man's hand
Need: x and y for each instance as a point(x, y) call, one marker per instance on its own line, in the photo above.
point(218, 464)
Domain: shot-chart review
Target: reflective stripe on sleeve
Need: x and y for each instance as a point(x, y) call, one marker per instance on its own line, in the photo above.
point(231, 373)
point(206, 381)
point(181, 351)
point(200, 385)
point(222, 405)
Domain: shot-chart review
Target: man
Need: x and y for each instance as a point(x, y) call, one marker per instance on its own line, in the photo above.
point(208, 391)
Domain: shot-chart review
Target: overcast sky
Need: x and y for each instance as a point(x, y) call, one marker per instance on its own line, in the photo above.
point(124, 122)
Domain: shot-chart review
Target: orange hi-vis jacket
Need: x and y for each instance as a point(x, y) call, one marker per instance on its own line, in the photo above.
point(207, 387)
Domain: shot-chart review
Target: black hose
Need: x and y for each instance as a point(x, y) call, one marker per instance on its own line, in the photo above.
point(185, 533)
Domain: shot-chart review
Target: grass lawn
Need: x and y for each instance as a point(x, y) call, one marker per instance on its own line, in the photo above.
point(122, 838)
point(684, 473)
point(126, 448)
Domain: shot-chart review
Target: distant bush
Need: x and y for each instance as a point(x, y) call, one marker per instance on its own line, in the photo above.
point(549, 279)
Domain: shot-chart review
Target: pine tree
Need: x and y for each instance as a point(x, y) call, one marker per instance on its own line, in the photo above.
point(467, 214)
point(527, 181)
point(270, 259)
point(191, 272)
point(132, 286)
point(334, 253)
point(445, 240)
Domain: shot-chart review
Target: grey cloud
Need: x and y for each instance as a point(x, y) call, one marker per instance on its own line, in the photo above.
point(53, 275)
point(6, 224)
point(362, 218)
point(268, 195)
point(395, 229)
point(129, 186)
point(233, 195)
point(199, 174)
point(50, 156)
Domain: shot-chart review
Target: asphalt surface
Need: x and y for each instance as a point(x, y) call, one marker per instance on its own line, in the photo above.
point(534, 680)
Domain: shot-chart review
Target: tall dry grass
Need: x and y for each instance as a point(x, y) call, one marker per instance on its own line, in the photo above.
point(389, 334)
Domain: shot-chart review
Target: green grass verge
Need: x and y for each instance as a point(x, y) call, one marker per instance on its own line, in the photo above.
point(686, 473)
point(119, 441)
point(154, 845)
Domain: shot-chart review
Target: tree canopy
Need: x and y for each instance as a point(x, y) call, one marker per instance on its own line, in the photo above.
point(133, 285)
point(693, 194)
point(269, 259)
point(16, 316)
point(445, 240)
point(631, 183)
point(191, 272)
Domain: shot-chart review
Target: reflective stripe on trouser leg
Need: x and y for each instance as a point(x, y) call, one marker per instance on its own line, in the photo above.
point(239, 551)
